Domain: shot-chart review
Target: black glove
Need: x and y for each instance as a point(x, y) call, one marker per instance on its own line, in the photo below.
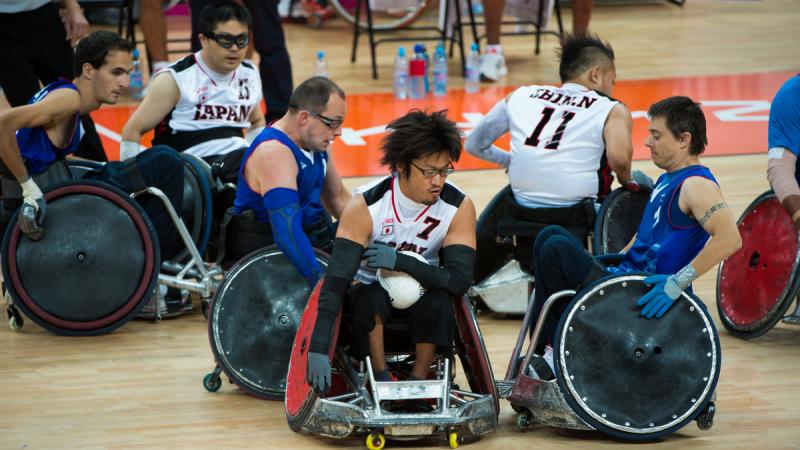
point(31, 214)
point(319, 372)
point(380, 256)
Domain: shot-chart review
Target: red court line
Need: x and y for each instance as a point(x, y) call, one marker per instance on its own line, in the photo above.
point(736, 107)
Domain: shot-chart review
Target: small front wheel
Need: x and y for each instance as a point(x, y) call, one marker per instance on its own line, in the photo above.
point(454, 439)
point(523, 421)
point(212, 382)
point(375, 441)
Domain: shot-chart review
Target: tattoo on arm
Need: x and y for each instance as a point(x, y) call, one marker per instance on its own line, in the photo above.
point(711, 212)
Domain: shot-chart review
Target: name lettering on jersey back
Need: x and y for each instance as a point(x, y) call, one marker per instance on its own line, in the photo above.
point(228, 113)
point(559, 98)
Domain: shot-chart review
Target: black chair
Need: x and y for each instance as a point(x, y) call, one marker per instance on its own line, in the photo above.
point(125, 8)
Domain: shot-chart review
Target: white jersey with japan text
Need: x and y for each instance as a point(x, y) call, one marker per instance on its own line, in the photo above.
point(423, 233)
point(557, 145)
point(213, 110)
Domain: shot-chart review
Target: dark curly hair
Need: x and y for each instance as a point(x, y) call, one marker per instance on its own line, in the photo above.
point(95, 47)
point(418, 135)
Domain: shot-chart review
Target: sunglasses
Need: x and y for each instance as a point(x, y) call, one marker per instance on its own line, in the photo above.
point(226, 40)
point(430, 173)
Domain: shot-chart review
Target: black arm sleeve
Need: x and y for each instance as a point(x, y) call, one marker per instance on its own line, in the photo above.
point(455, 275)
point(344, 263)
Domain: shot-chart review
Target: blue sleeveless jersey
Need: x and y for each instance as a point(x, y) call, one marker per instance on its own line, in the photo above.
point(310, 179)
point(667, 239)
point(37, 151)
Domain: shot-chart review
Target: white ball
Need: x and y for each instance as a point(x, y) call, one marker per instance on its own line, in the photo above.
point(403, 289)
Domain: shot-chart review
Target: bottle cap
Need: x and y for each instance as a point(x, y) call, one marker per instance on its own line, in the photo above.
point(419, 48)
point(401, 52)
point(320, 55)
point(417, 67)
point(135, 53)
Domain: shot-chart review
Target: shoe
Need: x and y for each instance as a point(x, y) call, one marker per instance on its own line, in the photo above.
point(417, 406)
point(493, 65)
point(177, 301)
point(539, 368)
point(148, 311)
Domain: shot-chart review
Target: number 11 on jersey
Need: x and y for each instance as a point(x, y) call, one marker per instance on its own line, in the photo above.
point(547, 114)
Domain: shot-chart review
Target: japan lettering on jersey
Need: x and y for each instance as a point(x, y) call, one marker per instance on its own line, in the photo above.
point(422, 234)
point(209, 100)
point(557, 145)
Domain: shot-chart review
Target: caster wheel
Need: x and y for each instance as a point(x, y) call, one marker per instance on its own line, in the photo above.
point(523, 421)
point(375, 441)
point(315, 21)
point(454, 439)
point(212, 382)
point(15, 321)
point(706, 418)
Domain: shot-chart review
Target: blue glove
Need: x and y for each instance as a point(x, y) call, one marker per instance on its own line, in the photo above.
point(319, 372)
point(658, 301)
point(380, 256)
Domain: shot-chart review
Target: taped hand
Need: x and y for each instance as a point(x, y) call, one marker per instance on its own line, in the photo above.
point(658, 301)
point(31, 214)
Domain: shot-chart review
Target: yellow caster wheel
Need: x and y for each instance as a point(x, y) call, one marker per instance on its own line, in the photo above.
point(375, 441)
point(454, 439)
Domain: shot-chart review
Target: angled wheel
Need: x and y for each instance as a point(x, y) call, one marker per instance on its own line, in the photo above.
point(756, 285)
point(253, 319)
point(629, 377)
point(99, 254)
point(618, 220)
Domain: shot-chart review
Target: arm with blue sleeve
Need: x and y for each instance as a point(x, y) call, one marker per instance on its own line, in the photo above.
point(286, 219)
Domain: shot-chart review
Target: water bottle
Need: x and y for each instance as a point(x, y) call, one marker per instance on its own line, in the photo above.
point(439, 72)
point(135, 88)
point(416, 88)
point(320, 65)
point(472, 83)
point(420, 50)
point(401, 75)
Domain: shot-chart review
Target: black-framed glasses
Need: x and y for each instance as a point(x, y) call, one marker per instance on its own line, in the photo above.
point(327, 121)
point(430, 173)
point(226, 40)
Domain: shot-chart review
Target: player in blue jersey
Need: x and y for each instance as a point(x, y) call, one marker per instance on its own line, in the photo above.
point(35, 136)
point(784, 147)
point(287, 180)
point(687, 228)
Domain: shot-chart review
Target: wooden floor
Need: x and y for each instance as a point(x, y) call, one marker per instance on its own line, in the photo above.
point(140, 387)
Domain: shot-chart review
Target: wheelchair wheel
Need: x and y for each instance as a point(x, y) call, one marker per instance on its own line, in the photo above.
point(756, 285)
point(381, 20)
point(196, 208)
point(253, 319)
point(95, 266)
point(629, 377)
point(618, 220)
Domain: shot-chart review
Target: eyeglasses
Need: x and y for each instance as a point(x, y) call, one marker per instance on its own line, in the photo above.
point(330, 123)
point(430, 173)
point(226, 40)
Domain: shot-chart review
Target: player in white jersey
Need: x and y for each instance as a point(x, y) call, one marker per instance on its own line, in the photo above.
point(204, 103)
point(564, 140)
point(412, 209)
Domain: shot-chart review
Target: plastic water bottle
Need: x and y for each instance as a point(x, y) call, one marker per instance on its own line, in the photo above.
point(419, 49)
point(136, 86)
point(416, 79)
point(320, 65)
point(439, 72)
point(401, 74)
point(472, 83)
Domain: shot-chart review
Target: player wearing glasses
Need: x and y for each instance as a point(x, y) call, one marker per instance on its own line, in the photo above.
point(414, 209)
point(206, 104)
point(287, 180)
